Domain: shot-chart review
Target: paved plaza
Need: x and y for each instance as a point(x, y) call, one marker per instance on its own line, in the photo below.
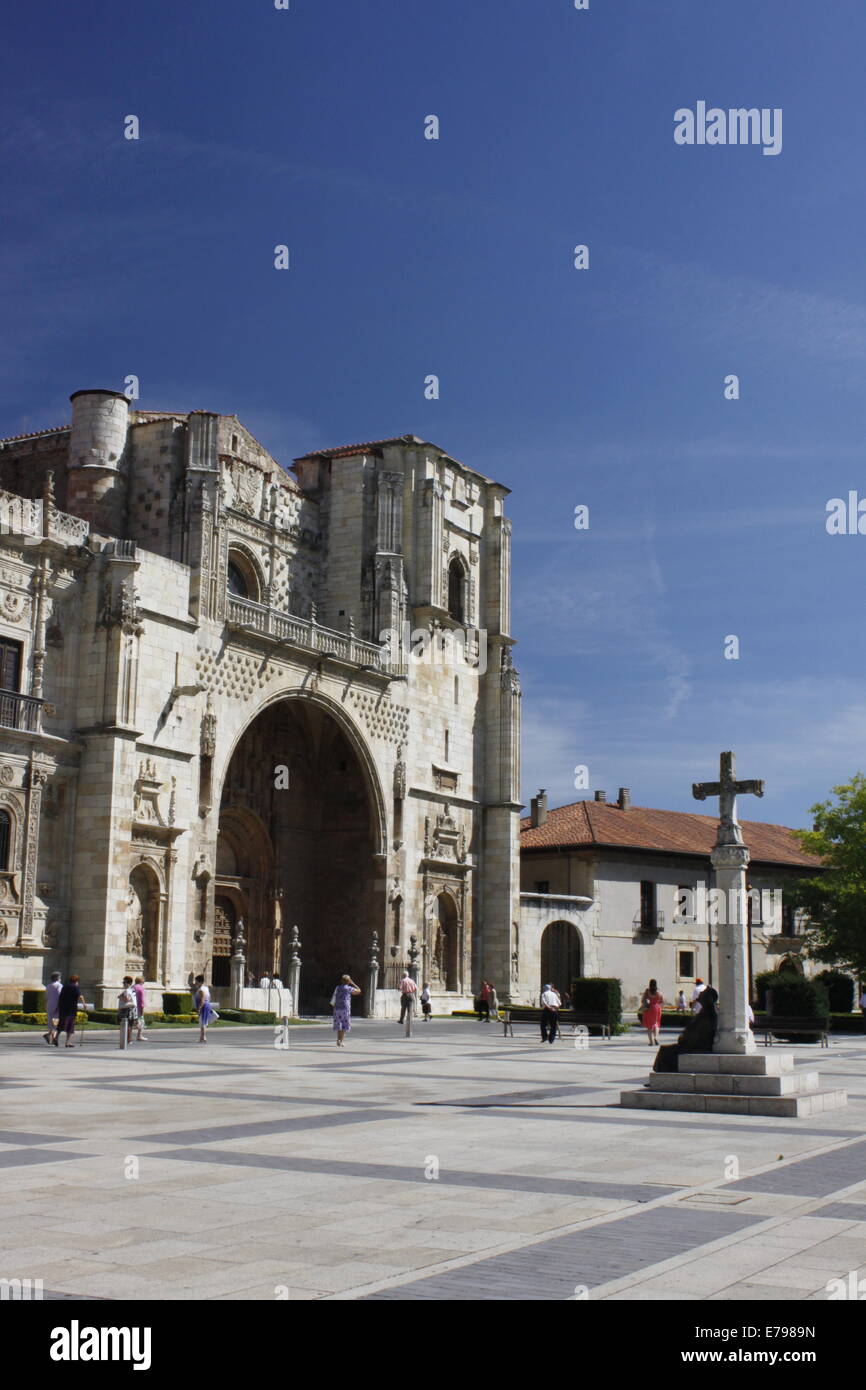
point(457, 1164)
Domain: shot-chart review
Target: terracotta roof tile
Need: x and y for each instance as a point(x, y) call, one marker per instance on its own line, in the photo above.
point(345, 450)
point(33, 434)
point(587, 824)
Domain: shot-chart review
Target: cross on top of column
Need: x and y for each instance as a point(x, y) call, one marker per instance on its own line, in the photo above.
point(727, 789)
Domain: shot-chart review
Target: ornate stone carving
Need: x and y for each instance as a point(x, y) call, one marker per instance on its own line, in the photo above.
point(120, 607)
point(509, 676)
point(145, 807)
point(208, 734)
point(7, 775)
point(51, 933)
point(399, 776)
point(448, 840)
point(14, 608)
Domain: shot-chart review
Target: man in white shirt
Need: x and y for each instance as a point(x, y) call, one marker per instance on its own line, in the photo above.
point(696, 995)
point(550, 1006)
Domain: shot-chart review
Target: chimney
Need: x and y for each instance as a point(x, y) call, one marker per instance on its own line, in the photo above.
point(624, 798)
point(538, 809)
point(601, 796)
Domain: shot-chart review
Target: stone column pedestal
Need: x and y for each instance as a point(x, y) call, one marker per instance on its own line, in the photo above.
point(734, 1034)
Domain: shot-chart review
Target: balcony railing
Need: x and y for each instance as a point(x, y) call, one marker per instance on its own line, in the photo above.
point(650, 922)
point(22, 516)
point(22, 712)
point(300, 632)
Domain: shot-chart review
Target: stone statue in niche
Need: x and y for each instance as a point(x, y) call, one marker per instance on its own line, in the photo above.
point(134, 924)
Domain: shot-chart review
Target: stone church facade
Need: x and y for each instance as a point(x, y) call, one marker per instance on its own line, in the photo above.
point(234, 695)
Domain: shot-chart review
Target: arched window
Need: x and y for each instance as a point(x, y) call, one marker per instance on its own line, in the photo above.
point(242, 580)
point(456, 591)
point(237, 585)
point(5, 839)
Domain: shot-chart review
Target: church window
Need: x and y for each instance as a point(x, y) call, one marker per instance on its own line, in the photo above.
point(235, 580)
point(456, 591)
point(5, 839)
point(457, 690)
point(242, 580)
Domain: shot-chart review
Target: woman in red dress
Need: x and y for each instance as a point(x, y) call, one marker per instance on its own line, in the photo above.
point(651, 1015)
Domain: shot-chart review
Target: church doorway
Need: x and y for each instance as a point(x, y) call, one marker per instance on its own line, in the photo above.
point(560, 955)
point(297, 838)
point(444, 947)
point(224, 921)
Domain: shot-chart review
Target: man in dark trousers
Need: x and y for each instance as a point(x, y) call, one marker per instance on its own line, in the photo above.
point(550, 1006)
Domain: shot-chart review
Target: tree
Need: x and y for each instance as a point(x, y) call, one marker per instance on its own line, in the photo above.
point(835, 899)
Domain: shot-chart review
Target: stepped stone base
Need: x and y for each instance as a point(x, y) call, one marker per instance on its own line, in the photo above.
point(726, 1083)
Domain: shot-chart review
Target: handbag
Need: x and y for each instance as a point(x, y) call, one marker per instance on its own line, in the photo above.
point(333, 999)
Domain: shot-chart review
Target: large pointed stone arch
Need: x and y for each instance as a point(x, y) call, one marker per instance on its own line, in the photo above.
point(326, 826)
point(360, 746)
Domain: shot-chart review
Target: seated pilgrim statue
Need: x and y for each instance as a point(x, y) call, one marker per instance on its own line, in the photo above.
point(697, 1036)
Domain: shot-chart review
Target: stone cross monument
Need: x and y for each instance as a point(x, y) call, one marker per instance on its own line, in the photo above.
point(729, 859)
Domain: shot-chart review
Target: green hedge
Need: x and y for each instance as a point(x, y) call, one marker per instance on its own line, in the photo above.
point(177, 1004)
point(246, 1015)
point(848, 1023)
point(795, 996)
point(840, 990)
point(33, 1001)
point(599, 996)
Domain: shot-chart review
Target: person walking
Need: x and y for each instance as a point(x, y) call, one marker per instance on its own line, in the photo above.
point(205, 1009)
point(492, 1005)
point(550, 1006)
point(69, 1001)
point(426, 1006)
point(651, 1012)
point(696, 995)
point(127, 1006)
point(341, 1002)
point(408, 992)
point(140, 1003)
point(681, 1003)
point(484, 1003)
point(52, 995)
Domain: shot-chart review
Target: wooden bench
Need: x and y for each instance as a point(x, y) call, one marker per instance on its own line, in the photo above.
point(576, 1018)
point(782, 1027)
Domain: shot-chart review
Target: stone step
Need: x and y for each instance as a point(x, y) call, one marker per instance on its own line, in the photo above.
point(727, 1084)
point(745, 1064)
point(798, 1106)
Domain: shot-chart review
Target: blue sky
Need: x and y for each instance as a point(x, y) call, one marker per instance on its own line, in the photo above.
point(408, 256)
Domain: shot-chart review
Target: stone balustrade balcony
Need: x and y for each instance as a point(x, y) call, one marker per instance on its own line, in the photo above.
point(245, 615)
point(23, 516)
